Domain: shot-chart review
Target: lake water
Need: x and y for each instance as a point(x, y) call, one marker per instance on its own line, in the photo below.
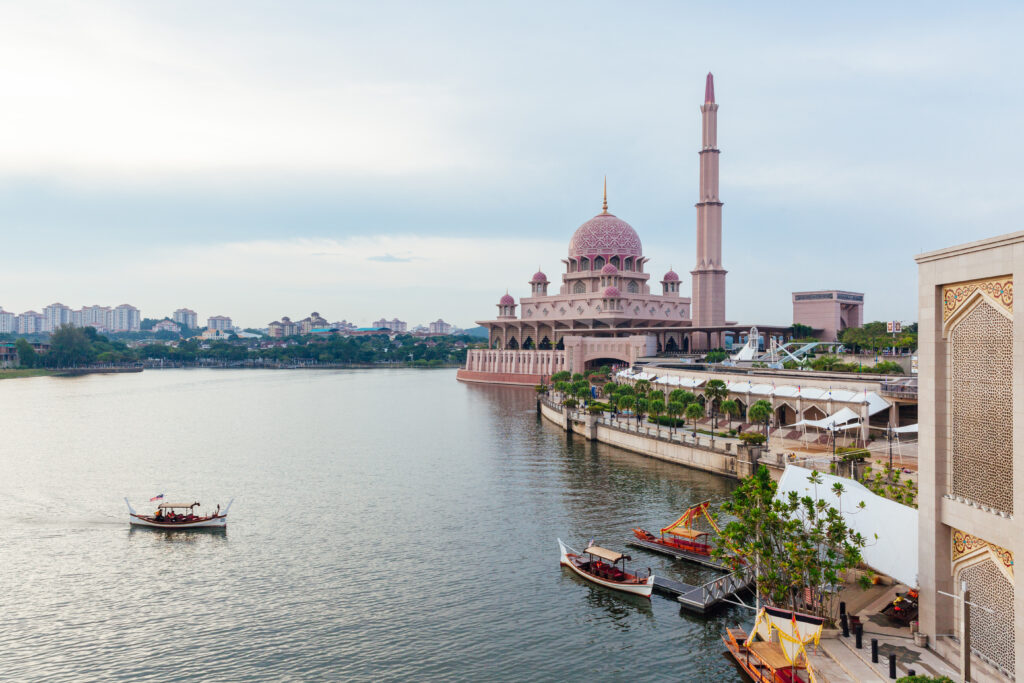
point(387, 525)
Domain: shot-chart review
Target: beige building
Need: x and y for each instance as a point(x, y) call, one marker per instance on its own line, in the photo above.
point(971, 368)
point(828, 312)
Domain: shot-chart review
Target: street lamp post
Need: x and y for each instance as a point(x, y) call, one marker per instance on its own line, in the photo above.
point(889, 434)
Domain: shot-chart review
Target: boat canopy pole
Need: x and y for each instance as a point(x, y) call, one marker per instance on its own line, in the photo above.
point(228, 507)
point(130, 508)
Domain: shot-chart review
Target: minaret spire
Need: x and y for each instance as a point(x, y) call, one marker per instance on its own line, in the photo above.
point(708, 274)
point(604, 205)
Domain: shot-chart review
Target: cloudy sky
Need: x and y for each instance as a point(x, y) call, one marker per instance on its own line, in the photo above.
point(364, 159)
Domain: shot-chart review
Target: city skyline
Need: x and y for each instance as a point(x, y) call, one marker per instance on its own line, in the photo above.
point(204, 163)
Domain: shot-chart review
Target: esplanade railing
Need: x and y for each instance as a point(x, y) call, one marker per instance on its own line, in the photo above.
point(899, 390)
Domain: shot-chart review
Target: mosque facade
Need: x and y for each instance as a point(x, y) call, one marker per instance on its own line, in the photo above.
point(606, 310)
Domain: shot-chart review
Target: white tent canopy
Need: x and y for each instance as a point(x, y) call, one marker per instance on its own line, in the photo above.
point(909, 429)
point(842, 417)
point(895, 551)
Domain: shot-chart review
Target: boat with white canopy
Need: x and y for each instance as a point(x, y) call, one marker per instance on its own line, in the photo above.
point(607, 568)
point(180, 516)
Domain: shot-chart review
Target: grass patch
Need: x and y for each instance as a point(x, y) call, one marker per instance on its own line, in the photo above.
point(28, 372)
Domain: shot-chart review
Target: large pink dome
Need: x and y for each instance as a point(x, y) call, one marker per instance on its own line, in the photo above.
point(605, 235)
point(506, 300)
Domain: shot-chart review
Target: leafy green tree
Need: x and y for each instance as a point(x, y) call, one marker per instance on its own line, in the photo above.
point(793, 544)
point(682, 396)
point(627, 401)
point(760, 412)
point(570, 403)
point(694, 412)
point(656, 397)
point(801, 331)
point(654, 409)
point(716, 356)
point(714, 391)
point(561, 376)
point(731, 409)
point(27, 356)
point(640, 409)
point(675, 409)
point(642, 386)
point(578, 377)
point(69, 346)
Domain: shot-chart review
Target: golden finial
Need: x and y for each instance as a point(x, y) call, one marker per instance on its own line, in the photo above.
point(604, 206)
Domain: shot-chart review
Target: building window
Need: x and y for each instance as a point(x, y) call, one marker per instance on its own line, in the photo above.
point(584, 264)
point(628, 265)
point(614, 261)
point(599, 263)
point(633, 287)
point(579, 288)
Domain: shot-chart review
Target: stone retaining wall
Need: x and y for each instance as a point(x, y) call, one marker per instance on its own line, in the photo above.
point(736, 465)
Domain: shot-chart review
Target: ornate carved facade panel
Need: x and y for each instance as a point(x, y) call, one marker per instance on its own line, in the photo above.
point(956, 295)
point(992, 628)
point(982, 406)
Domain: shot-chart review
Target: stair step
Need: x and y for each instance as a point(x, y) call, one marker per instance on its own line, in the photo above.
point(850, 662)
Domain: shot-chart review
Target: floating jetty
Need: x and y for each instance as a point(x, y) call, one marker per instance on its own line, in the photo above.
point(704, 597)
point(677, 553)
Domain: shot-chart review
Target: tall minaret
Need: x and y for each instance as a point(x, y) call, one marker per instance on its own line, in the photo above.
point(708, 274)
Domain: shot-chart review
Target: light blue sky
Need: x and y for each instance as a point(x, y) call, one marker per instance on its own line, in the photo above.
point(259, 159)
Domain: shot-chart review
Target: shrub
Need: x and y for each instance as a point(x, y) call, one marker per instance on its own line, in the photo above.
point(752, 438)
point(666, 421)
point(924, 679)
point(853, 454)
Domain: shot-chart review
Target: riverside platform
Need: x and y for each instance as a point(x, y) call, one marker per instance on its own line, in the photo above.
point(706, 596)
point(677, 553)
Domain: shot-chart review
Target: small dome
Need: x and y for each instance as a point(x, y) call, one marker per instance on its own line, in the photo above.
point(612, 292)
point(671, 276)
point(507, 300)
point(609, 270)
point(539, 277)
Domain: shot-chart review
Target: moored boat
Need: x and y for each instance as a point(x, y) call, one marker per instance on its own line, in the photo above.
point(180, 516)
point(679, 538)
point(607, 568)
point(775, 651)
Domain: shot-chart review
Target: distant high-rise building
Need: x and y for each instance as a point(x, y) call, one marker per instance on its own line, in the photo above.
point(219, 322)
point(30, 322)
point(92, 316)
point(8, 321)
point(440, 327)
point(186, 317)
point(313, 322)
point(395, 325)
point(54, 316)
point(124, 318)
point(282, 328)
point(344, 326)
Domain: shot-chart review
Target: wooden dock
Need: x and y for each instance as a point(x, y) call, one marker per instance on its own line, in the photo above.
point(677, 553)
point(704, 597)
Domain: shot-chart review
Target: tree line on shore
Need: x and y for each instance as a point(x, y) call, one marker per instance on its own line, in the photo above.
point(673, 409)
point(78, 346)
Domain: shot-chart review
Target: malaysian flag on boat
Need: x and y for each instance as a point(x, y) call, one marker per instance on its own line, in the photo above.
point(160, 497)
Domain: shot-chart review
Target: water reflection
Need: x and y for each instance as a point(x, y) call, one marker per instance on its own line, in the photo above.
point(615, 605)
point(180, 536)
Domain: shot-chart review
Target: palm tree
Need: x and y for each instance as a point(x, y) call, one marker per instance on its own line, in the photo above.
point(694, 412)
point(675, 409)
point(640, 409)
point(642, 387)
point(715, 390)
point(657, 397)
point(731, 408)
point(760, 412)
point(654, 408)
point(626, 401)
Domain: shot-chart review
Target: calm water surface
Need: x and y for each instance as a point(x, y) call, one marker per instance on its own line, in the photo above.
point(387, 525)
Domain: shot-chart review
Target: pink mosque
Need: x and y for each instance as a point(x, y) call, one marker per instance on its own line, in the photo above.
point(604, 311)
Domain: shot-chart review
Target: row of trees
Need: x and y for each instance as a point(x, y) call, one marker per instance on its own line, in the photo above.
point(836, 364)
point(76, 346)
point(874, 337)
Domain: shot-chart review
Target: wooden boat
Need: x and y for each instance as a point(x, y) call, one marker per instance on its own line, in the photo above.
point(679, 538)
point(606, 568)
point(179, 516)
point(775, 651)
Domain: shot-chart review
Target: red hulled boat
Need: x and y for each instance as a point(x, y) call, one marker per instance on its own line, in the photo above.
point(680, 539)
point(775, 650)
